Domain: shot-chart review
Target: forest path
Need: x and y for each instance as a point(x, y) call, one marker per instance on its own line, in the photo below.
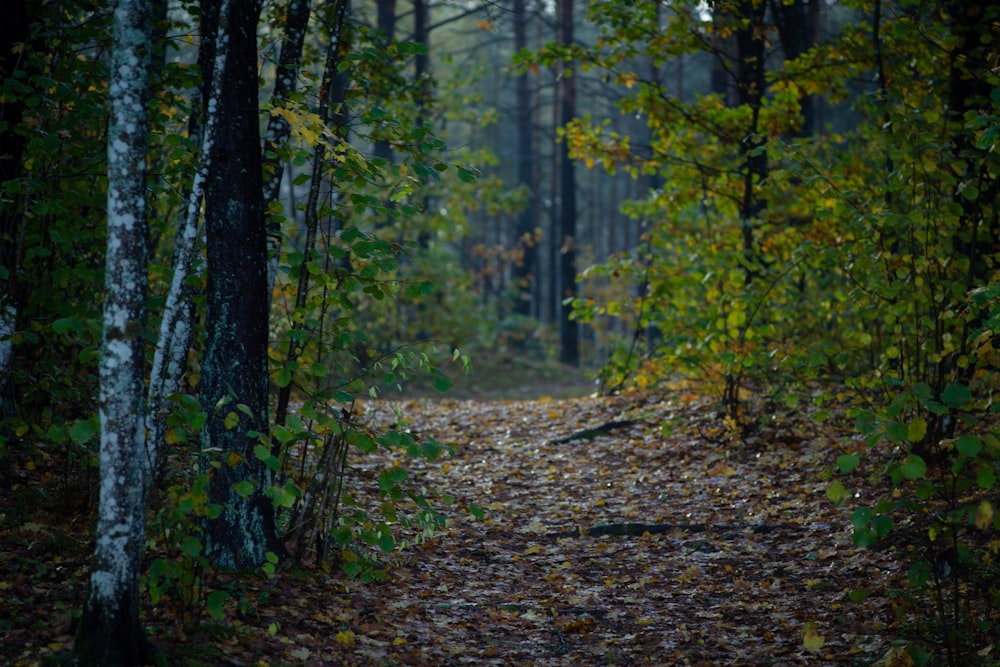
point(750, 564)
point(529, 586)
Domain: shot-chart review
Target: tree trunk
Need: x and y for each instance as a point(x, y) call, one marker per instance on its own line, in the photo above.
point(234, 380)
point(332, 90)
point(796, 29)
point(750, 86)
point(285, 83)
point(177, 324)
point(569, 332)
point(525, 269)
point(15, 29)
point(110, 633)
point(386, 25)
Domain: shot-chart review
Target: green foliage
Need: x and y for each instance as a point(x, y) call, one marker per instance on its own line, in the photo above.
point(774, 263)
point(351, 297)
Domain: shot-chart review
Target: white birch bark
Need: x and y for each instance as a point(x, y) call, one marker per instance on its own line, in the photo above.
point(176, 327)
point(112, 634)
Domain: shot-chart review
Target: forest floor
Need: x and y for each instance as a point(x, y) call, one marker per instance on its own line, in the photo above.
point(740, 559)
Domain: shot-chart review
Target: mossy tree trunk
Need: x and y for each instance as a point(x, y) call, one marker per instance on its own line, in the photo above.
point(234, 380)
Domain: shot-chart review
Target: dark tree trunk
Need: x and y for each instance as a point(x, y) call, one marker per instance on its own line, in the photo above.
point(386, 25)
point(15, 28)
point(285, 83)
point(234, 379)
point(332, 91)
point(797, 31)
point(525, 269)
point(569, 330)
point(750, 86)
point(421, 61)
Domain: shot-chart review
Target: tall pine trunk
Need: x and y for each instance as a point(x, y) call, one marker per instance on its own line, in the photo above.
point(569, 351)
point(525, 271)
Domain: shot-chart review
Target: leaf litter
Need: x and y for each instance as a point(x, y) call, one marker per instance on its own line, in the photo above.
point(665, 539)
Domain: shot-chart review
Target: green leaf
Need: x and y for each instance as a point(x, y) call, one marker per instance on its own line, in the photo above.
point(386, 542)
point(83, 430)
point(215, 604)
point(364, 443)
point(882, 525)
point(861, 517)
point(477, 511)
point(913, 467)
point(986, 477)
point(858, 595)
point(956, 395)
point(67, 324)
point(441, 382)
point(341, 396)
point(391, 478)
point(969, 445)
point(919, 573)
point(467, 175)
point(864, 537)
point(837, 493)
point(430, 449)
point(231, 420)
point(244, 488)
point(342, 535)
point(897, 432)
point(191, 546)
point(848, 462)
point(284, 377)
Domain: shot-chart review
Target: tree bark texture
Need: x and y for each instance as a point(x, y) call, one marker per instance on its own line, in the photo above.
point(234, 380)
point(525, 272)
point(569, 351)
point(110, 633)
point(385, 11)
point(177, 323)
point(278, 130)
point(330, 102)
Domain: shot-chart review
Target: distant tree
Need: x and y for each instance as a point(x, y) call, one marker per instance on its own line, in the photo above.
point(234, 379)
point(386, 26)
point(525, 273)
point(110, 632)
point(569, 352)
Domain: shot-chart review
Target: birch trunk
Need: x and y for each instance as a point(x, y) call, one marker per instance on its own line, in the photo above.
point(177, 325)
point(110, 633)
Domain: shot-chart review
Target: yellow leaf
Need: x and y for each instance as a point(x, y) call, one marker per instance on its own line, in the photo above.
point(984, 515)
point(345, 637)
point(812, 640)
point(916, 429)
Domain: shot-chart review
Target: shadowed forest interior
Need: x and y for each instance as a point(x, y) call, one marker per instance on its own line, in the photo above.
point(651, 332)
